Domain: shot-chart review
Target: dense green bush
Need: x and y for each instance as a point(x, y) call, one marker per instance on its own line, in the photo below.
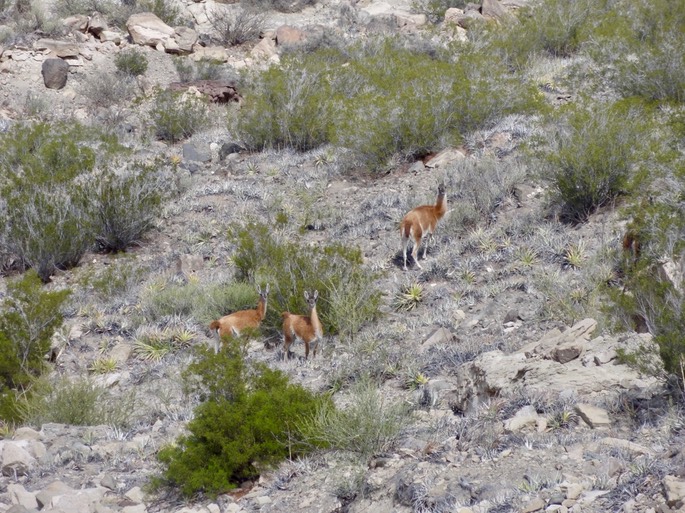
point(248, 420)
point(125, 205)
point(593, 156)
point(348, 297)
point(175, 116)
point(29, 317)
point(131, 62)
point(380, 99)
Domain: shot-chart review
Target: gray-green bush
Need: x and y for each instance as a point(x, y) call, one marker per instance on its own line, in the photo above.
point(175, 117)
point(126, 204)
point(593, 156)
point(131, 62)
point(78, 403)
point(380, 99)
point(291, 268)
point(368, 425)
point(640, 48)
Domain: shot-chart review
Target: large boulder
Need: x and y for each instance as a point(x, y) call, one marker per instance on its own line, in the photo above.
point(147, 29)
point(55, 73)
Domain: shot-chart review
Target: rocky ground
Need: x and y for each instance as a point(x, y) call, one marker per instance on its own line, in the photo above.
point(524, 407)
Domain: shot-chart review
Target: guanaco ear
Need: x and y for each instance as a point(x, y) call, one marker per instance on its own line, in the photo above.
point(266, 290)
point(306, 295)
point(316, 295)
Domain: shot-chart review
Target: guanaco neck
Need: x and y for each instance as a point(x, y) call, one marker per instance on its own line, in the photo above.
point(440, 205)
point(261, 308)
point(316, 323)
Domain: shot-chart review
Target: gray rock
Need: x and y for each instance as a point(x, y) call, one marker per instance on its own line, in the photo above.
point(229, 148)
point(54, 489)
point(19, 495)
point(147, 29)
point(55, 73)
point(195, 153)
point(15, 459)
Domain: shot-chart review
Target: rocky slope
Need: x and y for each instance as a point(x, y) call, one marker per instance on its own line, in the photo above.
point(521, 409)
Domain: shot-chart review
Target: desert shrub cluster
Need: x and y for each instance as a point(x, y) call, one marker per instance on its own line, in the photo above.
point(59, 197)
point(248, 419)
point(380, 99)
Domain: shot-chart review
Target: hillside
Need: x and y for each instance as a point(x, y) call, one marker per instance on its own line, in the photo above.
point(181, 161)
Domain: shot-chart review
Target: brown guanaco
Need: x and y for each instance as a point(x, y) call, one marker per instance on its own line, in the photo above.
point(233, 324)
point(303, 327)
point(420, 222)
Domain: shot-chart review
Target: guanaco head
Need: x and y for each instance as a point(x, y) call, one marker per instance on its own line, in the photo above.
point(263, 295)
point(311, 300)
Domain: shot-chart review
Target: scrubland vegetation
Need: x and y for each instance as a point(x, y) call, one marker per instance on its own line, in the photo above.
point(366, 107)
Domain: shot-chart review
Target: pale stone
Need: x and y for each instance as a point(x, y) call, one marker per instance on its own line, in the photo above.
point(15, 459)
point(592, 415)
point(19, 495)
point(675, 490)
point(135, 494)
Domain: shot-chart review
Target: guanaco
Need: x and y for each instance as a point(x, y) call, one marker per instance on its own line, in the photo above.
point(302, 327)
point(419, 223)
point(232, 324)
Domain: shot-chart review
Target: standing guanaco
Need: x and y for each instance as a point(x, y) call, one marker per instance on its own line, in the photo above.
point(419, 223)
point(301, 327)
point(232, 324)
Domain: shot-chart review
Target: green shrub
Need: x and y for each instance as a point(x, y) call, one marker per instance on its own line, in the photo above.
point(593, 157)
point(368, 425)
point(203, 302)
point(184, 68)
point(131, 62)
point(77, 403)
point(248, 421)
point(126, 206)
point(28, 318)
point(291, 268)
point(175, 117)
point(115, 279)
point(289, 106)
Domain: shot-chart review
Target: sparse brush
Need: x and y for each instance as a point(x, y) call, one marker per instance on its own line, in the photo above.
point(103, 366)
point(575, 255)
point(527, 257)
point(409, 297)
point(153, 345)
point(416, 379)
